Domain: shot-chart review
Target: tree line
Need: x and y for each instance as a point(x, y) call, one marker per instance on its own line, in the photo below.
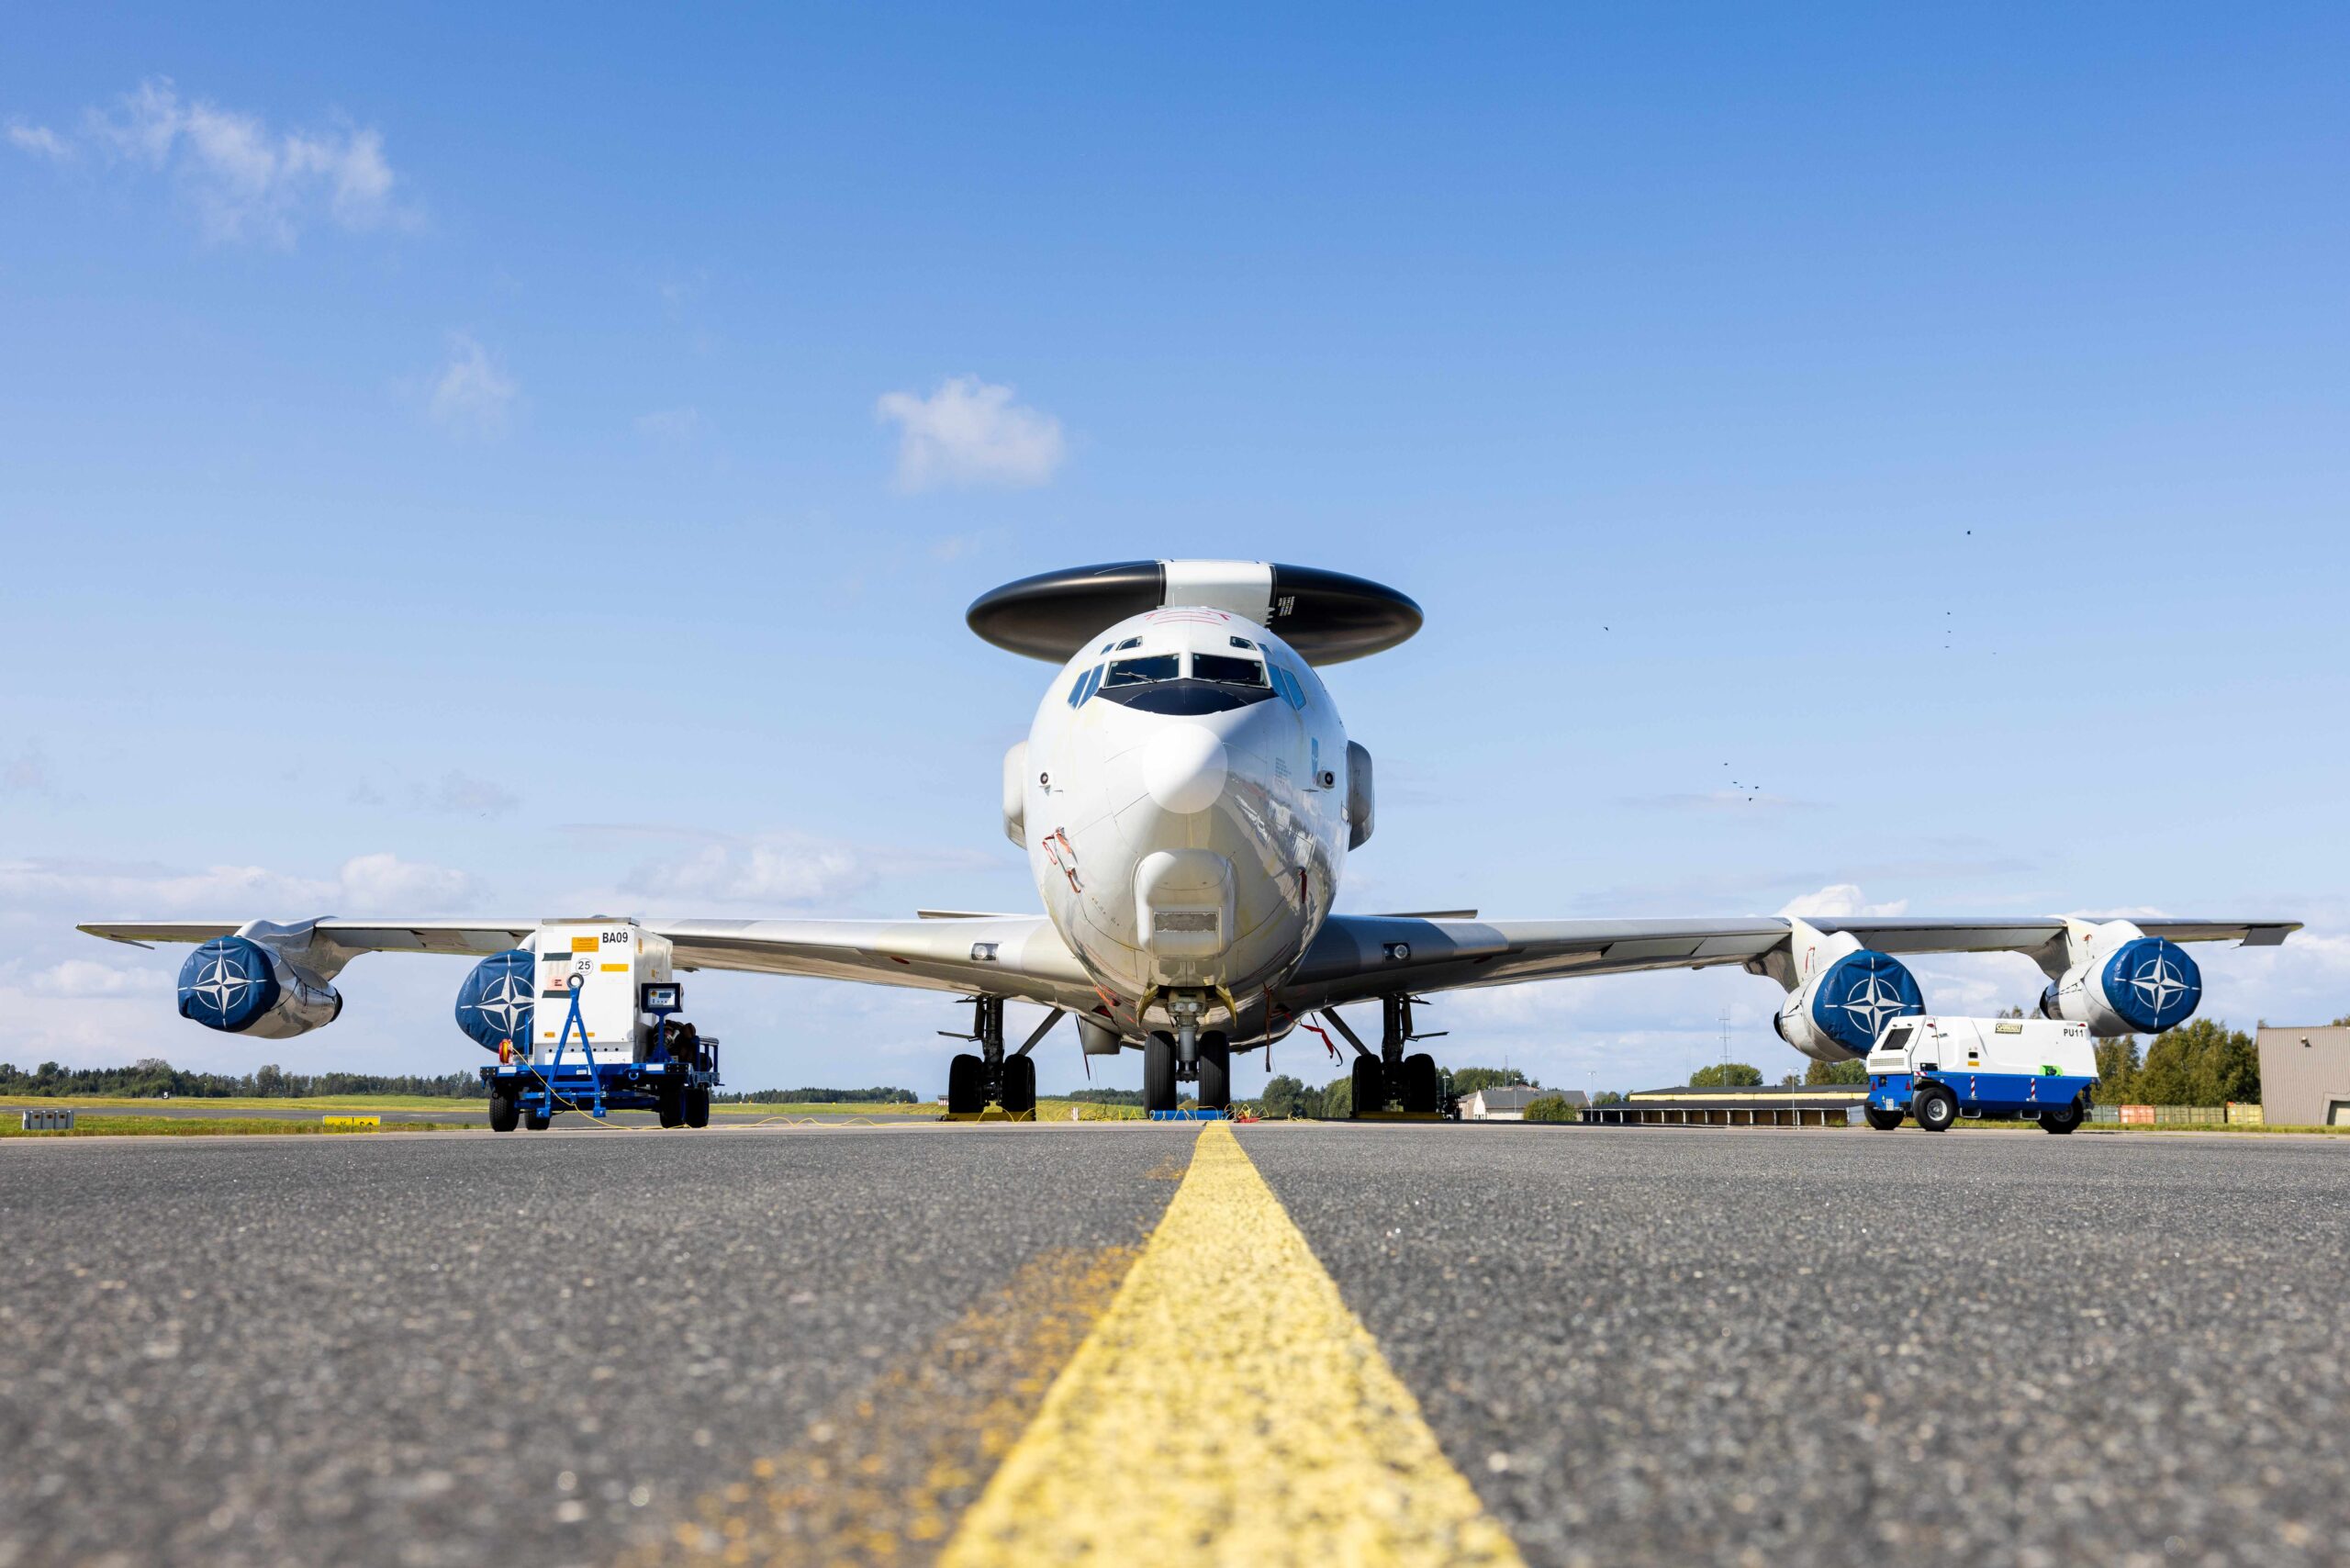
point(878, 1096)
point(154, 1079)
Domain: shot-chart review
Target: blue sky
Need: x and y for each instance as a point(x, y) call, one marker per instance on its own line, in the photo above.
point(535, 463)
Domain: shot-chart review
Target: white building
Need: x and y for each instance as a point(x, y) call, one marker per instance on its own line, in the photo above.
point(1508, 1105)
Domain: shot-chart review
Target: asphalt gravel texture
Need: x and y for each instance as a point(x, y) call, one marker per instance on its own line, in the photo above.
point(1735, 1347)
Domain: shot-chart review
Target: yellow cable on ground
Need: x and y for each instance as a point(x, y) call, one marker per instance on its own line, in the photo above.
point(1227, 1408)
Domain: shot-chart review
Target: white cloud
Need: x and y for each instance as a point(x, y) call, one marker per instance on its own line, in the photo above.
point(1840, 899)
point(670, 424)
point(241, 179)
point(463, 795)
point(99, 890)
point(472, 394)
point(79, 979)
point(968, 433)
point(386, 884)
point(784, 869)
point(39, 140)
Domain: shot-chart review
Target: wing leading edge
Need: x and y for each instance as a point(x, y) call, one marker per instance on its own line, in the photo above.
point(1018, 955)
point(1356, 958)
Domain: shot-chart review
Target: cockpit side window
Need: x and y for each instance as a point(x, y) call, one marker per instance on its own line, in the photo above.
point(1085, 686)
point(1144, 671)
point(1225, 670)
point(1286, 684)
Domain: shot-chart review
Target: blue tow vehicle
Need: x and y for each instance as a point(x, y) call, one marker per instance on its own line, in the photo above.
point(1938, 1070)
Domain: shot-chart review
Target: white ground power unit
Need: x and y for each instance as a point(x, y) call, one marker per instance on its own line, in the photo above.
point(1937, 1070)
point(605, 965)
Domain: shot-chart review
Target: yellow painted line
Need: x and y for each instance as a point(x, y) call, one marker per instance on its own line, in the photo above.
point(1227, 1408)
point(882, 1475)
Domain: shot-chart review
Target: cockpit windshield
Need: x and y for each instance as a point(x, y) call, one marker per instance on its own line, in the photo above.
point(1225, 670)
point(1142, 671)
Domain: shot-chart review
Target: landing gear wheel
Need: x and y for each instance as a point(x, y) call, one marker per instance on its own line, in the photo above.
point(1371, 1085)
point(1935, 1107)
point(1159, 1073)
point(697, 1107)
point(2065, 1120)
point(672, 1107)
point(538, 1121)
point(966, 1092)
point(1883, 1121)
point(1215, 1072)
point(1019, 1085)
point(1419, 1090)
point(503, 1112)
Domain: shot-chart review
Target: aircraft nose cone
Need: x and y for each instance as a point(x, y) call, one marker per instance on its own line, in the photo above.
point(1183, 767)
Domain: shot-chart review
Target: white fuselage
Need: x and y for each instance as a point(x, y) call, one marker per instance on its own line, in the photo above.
point(1186, 827)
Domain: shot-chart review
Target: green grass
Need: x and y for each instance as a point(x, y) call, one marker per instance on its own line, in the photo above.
point(86, 1126)
point(344, 1103)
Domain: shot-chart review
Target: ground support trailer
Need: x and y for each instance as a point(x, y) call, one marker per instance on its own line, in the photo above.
point(1935, 1070)
point(600, 1033)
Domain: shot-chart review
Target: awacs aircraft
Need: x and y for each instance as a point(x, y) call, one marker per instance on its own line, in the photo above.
point(1188, 796)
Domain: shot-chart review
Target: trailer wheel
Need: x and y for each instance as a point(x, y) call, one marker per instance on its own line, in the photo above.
point(697, 1107)
point(1935, 1107)
point(2063, 1121)
point(503, 1112)
point(538, 1121)
point(672, 1107)
point(1883, 1121)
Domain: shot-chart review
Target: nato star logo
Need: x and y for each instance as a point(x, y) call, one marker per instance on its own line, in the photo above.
point(2158, 984)
point(1872, 1001)
point(505, 1005)
point(221, 984)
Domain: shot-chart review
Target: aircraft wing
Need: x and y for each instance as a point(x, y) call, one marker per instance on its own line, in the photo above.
point(1018, 955)
point(1356, 958)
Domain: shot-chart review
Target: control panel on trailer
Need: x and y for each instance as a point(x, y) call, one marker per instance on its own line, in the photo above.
point(1938, 1070)
point(584, 1018)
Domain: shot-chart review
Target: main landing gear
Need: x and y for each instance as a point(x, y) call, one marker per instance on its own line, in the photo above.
point(1392, 1079)
point(975, 1082)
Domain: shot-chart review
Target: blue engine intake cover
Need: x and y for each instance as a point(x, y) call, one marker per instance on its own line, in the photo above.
point(2152, 984)
point(1858, 993)
point(229, 983)
point(494, 1005)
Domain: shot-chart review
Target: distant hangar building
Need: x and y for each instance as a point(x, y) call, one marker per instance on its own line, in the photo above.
point(2305, 1077)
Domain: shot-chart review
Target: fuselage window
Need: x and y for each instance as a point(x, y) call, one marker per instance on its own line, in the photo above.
point(1225, 670)
point(1130, 643)
point(1144, 671)
point(1244, 643)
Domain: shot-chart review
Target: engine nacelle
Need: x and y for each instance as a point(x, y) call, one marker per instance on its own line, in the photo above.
point(2125, 982)
point(494, 1005)
point(1838, 1012)
point(235, 984)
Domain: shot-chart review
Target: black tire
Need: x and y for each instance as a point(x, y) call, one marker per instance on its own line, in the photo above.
point(538, 1121)
point(672, 1107)
point(1371, 1085)
point(1019, 1084)
point(1215, 1073)
point(697, 1107)
point(967, 1093)
point(1934, 1108)
point(503, 1111)
point(1883, 1121)
point(1159, 1073)
point(1420, 1089)
point(2065, 1120)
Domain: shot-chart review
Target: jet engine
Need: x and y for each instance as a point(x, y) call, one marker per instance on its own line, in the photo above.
point(235, 984)
point(494, 1005)
point(2122, 981)
point(1837, 1014)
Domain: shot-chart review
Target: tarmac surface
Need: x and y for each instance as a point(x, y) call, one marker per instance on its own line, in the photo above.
point(817, 1344)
